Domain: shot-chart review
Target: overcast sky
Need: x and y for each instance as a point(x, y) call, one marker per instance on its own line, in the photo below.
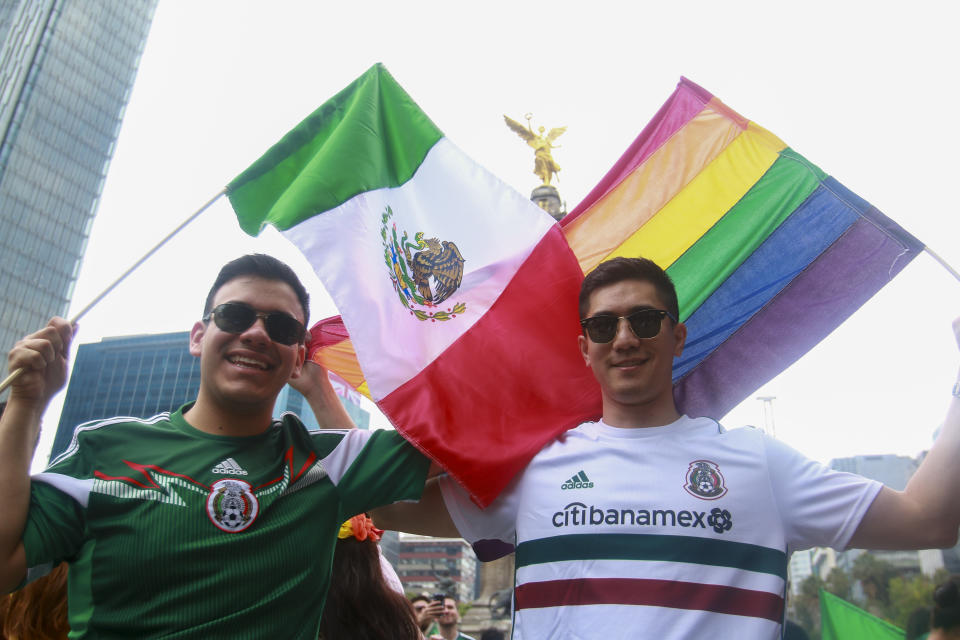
point(862, 89)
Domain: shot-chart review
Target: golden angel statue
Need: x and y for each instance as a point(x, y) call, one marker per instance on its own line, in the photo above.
point(544, 165)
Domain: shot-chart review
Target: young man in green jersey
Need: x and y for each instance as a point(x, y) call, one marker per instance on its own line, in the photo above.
point(210, 521)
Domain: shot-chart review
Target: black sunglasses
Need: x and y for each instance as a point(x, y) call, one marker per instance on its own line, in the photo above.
point(644, 324)
point(237, 317)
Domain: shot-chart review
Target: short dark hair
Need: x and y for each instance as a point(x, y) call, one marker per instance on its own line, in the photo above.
point(263, 266)
point(619, 269)
point(419, 597)
point(946, 605)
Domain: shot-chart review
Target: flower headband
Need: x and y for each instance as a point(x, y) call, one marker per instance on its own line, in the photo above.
point(360, 527)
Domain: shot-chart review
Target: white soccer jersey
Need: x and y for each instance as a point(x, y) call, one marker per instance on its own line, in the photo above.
point(679, 531)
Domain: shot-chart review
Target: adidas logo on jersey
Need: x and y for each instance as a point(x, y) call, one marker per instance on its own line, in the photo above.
point(230, 467)
point(579, 481)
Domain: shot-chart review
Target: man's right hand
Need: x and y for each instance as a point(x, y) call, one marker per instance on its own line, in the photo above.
point(430, 614)
point(42, 357)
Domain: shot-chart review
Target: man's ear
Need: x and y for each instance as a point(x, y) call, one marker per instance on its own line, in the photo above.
point(301, 357)
point(196, 338)
point(680, 338)
point(582, 341)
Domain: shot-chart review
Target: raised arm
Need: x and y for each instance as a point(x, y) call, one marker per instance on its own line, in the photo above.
point(927, 513)
point(43, 358)
point(429, 517)
point(314, 383)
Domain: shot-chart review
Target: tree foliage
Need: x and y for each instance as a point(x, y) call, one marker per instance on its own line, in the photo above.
point(886, 592)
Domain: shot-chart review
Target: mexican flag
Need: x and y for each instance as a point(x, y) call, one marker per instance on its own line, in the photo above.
point(456, 293)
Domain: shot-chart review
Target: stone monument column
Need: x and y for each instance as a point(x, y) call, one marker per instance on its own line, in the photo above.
point(495, 576)
point(548, 198)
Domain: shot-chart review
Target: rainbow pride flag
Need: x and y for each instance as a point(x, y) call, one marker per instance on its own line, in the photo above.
point(769, 254)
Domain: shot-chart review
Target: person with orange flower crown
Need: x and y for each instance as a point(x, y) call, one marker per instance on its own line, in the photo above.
point(366, 600)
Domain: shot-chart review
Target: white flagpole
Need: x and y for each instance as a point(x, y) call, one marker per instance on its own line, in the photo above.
point(942, 262)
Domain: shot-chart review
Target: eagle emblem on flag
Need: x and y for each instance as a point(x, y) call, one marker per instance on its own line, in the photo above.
point(424, 272)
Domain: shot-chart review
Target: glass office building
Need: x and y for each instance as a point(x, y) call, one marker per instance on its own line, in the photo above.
point(142, 376)
point(66, 71)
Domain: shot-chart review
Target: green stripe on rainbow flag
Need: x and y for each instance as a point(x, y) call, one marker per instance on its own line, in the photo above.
point(783, 188)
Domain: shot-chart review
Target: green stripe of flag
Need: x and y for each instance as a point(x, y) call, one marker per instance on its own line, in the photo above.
point(785, 186)
point(660, 548)
point(369, 136)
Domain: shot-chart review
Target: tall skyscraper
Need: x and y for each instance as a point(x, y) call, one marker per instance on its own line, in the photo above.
point(66, 71)
point(142, 376)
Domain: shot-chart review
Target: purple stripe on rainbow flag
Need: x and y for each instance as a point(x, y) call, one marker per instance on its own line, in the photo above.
point(809, 230)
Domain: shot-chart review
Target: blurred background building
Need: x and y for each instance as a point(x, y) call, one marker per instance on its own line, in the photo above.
point(141, 376)
point(894, 471)
point(66, 71)
point(433, 565)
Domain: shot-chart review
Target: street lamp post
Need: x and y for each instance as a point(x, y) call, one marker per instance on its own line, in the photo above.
point(768, 426)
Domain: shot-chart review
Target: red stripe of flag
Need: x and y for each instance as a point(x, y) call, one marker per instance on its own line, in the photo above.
point(656, 593)
point(513, 381)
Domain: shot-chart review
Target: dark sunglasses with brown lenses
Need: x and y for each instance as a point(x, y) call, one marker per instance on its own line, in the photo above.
point(644, 323)
point(237, 317)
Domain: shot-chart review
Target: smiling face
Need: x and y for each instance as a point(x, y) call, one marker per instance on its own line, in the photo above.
point(450, 615)
point(244, 372)
point(635, 374)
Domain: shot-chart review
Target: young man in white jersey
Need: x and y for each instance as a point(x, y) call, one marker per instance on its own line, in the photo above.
point(210, 521)
point(651, 524)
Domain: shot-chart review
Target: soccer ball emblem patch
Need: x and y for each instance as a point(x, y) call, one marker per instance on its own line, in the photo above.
point(231, 505)
point(704, 480)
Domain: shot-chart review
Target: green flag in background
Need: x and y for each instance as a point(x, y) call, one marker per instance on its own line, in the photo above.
point(840, 620)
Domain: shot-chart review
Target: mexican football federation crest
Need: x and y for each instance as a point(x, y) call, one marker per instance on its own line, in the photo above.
point(425, 272)
point(231, 505)
point(704, 480)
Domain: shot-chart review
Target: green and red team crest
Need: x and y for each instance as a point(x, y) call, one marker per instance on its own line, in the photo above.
point(704, 480)
point(425, 272)
point(231, 505)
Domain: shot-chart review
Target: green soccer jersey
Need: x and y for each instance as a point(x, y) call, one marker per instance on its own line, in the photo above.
point(175, 533)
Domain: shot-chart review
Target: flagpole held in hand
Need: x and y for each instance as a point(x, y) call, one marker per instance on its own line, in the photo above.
point(16, 372)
